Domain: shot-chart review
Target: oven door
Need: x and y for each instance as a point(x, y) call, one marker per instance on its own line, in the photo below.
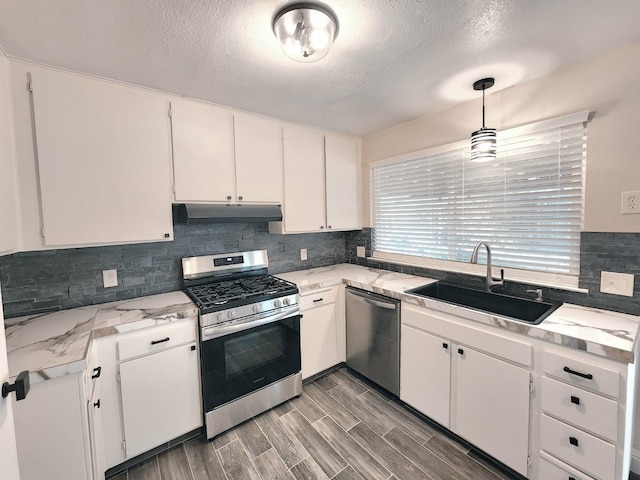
point(239, 363)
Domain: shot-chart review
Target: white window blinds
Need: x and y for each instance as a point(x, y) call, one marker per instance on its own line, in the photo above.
point(527, 203)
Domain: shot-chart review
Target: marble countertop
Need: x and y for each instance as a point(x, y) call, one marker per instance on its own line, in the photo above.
point(55, 344)
point(600, 332)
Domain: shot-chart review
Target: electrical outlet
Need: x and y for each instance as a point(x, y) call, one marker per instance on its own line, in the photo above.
point(617, 283)
point(109, 278)
point(303, 254)
point(630, 202)
point(360, 252)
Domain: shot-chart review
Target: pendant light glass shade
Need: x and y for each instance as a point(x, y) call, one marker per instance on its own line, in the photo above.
point(305, 31)
point(483, 141)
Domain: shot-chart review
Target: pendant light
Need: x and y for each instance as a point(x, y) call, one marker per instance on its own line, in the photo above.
point(483, 141)
point(305, 31)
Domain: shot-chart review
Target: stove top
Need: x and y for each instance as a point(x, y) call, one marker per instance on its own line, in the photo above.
point(223, 294)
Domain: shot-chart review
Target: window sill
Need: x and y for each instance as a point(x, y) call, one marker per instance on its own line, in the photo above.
point(538, 279)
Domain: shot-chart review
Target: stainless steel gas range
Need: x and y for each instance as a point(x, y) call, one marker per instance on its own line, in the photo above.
point(249, 336)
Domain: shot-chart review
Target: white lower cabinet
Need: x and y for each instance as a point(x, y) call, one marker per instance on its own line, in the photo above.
point(585, 423)
point(319, 330)
point(490, 406)
point(150, 388)
point(160, 397)
point(465, 380)
point(425, 373)
point(52, 434)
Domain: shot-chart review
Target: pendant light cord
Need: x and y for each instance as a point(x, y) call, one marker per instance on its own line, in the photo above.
point(483, 108)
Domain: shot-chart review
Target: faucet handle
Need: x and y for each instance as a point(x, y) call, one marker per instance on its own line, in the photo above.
point(538, 292)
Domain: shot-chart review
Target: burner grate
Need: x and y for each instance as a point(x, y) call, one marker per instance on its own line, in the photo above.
point(223, 292)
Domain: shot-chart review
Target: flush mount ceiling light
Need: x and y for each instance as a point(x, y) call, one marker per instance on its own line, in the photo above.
point(305, 31)
point(483, 141)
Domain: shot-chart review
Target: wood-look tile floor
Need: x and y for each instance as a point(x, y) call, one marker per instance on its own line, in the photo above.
point(340, 428)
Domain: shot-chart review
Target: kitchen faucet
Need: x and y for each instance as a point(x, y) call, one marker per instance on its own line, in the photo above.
point(491, 282)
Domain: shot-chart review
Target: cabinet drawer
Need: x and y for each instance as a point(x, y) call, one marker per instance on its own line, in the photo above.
point(582, 374)
point(592, 455)
point(552, 469)
point(157, 339)
point(581, 408)
point(318, 297)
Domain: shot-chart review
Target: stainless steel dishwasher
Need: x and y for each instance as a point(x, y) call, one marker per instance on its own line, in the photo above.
point(373, 337)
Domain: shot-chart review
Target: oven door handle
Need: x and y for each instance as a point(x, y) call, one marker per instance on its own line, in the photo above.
point(216, 331)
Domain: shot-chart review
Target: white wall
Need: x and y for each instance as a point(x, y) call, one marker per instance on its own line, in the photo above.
point(8, 194)
point(607, 85)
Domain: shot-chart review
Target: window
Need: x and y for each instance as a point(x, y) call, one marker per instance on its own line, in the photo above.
point(527, 204)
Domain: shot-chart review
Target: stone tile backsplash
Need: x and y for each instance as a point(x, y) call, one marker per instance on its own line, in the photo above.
point(42, 281)
point(34, 282)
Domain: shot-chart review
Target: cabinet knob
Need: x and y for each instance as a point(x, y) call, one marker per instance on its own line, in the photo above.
point(240, 197)
point(328, 226)
point(167, 235)
point(461, 351)
point(575, 400)
point(228, 197)
point(21, 386)
point(573, 441)
point(96, 372)
point(321, 227)
point(445, 345)
point(97, 404)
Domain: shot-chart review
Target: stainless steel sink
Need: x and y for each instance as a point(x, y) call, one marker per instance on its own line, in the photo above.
point(522, 309)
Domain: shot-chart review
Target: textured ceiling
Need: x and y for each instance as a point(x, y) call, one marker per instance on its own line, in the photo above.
point(393, 60)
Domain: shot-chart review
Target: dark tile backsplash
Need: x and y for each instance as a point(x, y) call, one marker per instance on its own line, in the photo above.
point(612, 252)
point(50, 280)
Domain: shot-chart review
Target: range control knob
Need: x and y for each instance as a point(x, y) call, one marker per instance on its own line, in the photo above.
point(277, 303)
point(220, 316)
point(257, 308)
point(231, 313)
point(286, 301)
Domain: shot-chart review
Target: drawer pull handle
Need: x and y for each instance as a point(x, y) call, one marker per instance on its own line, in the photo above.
point(575, 400)
point(460, 351)
point(96, 372)
point(97, 404)
point(572, 478)
point(573, 441)
point(588, 376)
point(445, 345)
point(155, 342)
point(316, 300)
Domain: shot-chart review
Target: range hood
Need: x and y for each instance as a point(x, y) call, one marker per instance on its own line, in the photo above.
point(197, 214)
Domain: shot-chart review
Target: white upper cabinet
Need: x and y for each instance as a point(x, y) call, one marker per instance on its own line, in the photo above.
point(103, 161)
point(304, 179)
point(203, 163)
point(259, 169)
point(320, 182)
point(8, 202)
point(222, 157)
point(341, 160)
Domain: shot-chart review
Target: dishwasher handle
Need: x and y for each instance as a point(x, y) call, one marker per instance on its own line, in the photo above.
point(371, 300)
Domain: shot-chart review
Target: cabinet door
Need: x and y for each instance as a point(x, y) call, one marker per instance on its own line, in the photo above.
point(341, 157)
point(318, 342)
point(303, 180)
point(491, 406)
point(8, 191)
point(51, 429)
point(96, 437)
point(103, 160)
point(203, 163)
point(160, 398)
point(425, 373)
point(259, 168)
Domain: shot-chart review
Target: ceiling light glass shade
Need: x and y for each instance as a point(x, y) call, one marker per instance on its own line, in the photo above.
point(305, 31)
point(483, 145)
